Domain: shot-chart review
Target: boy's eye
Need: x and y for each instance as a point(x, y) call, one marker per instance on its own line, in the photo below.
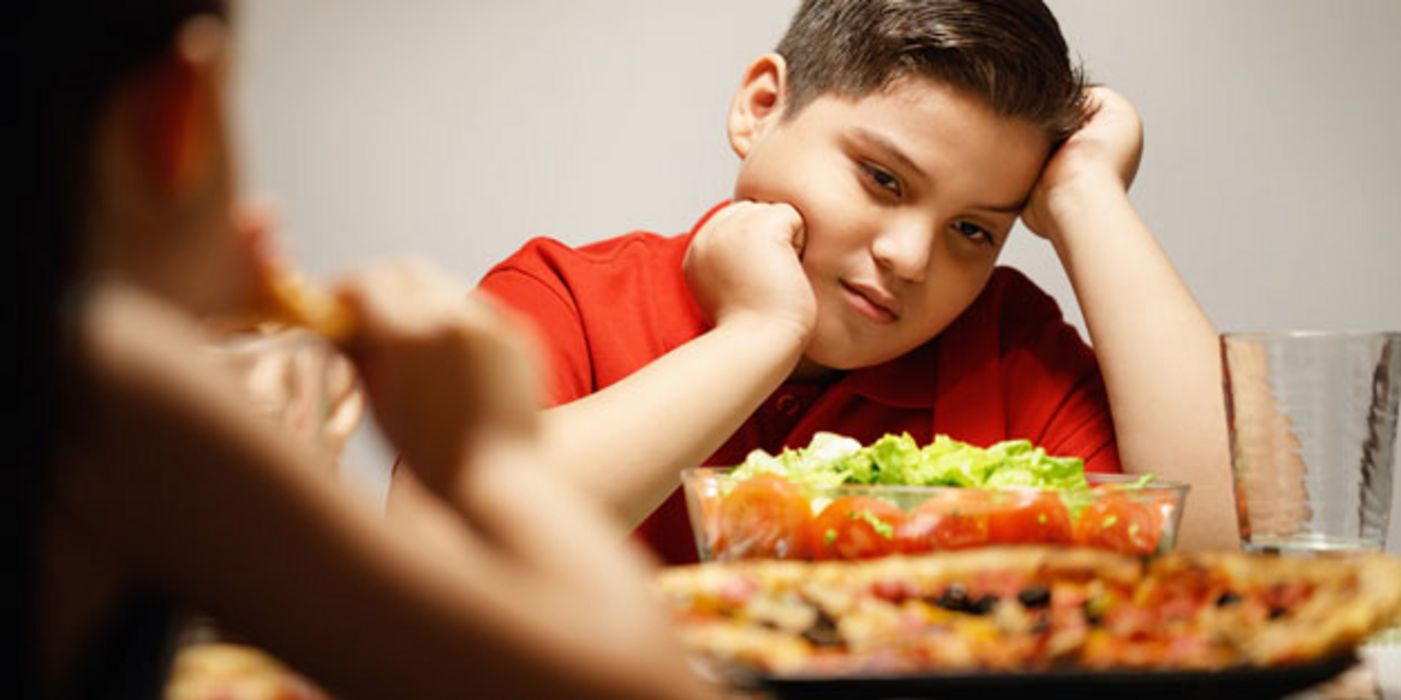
point(882, 179)
point(974, 232)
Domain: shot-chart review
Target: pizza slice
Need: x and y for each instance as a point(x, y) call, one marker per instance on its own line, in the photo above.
point(291, 299)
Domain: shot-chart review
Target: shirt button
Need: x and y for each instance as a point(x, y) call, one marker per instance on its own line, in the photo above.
point(788, 405)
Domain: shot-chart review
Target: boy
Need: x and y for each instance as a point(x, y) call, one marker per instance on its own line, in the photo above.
point(887, 148)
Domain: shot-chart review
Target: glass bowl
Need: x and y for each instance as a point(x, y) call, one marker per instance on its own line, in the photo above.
point(769, 517)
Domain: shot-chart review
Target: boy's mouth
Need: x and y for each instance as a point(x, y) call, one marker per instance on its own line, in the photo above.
point(872, 302)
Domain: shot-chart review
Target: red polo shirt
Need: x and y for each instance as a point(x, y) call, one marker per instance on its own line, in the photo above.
point(1008, 367)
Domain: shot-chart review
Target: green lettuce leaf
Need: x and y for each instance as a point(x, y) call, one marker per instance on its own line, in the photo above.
point(831, 460)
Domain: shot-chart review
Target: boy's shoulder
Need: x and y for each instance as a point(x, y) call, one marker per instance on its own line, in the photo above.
point(1019, 310)
point(637, 250)
point(628, 250)
point(1011, 289)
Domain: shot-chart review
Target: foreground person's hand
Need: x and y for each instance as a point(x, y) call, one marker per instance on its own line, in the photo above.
point(443, 372)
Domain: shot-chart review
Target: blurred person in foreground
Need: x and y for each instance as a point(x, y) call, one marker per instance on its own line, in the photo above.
point(143, 482)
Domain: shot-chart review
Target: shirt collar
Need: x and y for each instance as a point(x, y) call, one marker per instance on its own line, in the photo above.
point(707, 217)
point(957, 366)
point(908, 381)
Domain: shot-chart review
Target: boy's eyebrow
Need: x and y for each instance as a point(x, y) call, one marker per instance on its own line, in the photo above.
point(883, 143)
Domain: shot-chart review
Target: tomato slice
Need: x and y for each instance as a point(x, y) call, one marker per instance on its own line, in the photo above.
point(1118, 523)
point(765, 516)
point(856, 527)
point(952, 519)
point(1024, 517)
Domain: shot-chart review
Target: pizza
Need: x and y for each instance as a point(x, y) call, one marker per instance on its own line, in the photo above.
point(293, 300)
point(1028, 609)
point(222, 671)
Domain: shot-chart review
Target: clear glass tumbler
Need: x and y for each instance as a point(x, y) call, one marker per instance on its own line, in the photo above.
point(1313, 437)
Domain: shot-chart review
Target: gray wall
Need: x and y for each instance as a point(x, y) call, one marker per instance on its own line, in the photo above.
point(456, 130)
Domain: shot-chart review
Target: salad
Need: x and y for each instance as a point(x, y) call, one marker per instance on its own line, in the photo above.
point(839, 499)
point(896, 460)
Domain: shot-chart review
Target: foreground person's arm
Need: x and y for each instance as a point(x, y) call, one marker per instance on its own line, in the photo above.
point(1156, 348)
point(178, 482)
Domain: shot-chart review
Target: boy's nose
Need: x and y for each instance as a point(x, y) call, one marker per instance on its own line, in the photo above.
point(904, 250)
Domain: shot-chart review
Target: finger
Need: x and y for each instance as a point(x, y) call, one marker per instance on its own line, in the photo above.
point(789, 224)
point(344, 418)
point(255, 222)
point(390, 296)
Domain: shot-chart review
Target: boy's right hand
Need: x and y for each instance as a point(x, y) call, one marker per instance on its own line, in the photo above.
point(744, 263)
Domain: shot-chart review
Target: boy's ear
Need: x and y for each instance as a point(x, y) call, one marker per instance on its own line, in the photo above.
point(759, 103)
point(181, 124)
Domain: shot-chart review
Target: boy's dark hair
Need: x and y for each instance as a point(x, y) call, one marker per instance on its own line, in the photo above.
point(1009, 53)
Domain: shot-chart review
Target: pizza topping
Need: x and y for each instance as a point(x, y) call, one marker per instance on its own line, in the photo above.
point(893, 591)
point(1035, 597)
point(823, 632)
point(738, 590)
point(1097, 603)
point(787, 612)
point(955, 598)
point(1227, 599)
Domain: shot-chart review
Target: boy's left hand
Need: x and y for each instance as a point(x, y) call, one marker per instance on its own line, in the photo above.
point(1103, 153)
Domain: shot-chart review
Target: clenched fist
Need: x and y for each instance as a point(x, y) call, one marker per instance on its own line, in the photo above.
point(745, 262)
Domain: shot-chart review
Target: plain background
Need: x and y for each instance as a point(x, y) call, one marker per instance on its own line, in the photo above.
point(455, 131)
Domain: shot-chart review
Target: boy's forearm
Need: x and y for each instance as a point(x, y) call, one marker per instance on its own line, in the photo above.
point(627, 444)
point(1157, 351)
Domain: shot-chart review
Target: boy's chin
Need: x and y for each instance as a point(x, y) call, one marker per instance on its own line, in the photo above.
point(820, 360)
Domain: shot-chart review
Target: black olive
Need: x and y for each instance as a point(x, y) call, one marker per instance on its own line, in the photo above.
point(1227, 598)
point(1276, 613)
point(824, 632)
point(982, 605)
point(1035, 597)
point(953, 598)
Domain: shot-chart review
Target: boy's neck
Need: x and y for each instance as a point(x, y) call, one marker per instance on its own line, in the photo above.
point(809, 372)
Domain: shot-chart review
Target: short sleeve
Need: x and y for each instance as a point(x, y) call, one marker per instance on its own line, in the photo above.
point(544, 302)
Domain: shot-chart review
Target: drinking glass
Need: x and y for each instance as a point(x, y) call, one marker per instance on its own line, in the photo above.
point(1312, 419)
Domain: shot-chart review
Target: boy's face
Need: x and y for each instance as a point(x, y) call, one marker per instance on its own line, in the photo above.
point(908, 195)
